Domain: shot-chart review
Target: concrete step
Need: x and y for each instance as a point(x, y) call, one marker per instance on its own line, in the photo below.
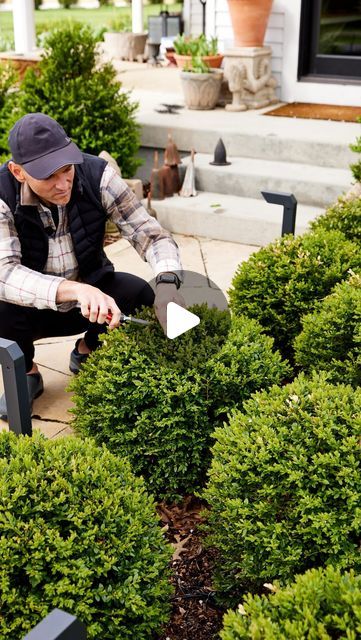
point(247, 177)
point(230, 218)
point(250, 134)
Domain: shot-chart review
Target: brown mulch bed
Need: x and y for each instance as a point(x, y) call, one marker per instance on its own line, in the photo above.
point(195, 613)
point(317, 111)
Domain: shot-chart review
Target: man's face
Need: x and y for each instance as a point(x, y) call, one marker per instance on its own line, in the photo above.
point(53, 190)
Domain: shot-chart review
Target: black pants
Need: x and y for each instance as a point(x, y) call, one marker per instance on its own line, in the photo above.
point(26, 324)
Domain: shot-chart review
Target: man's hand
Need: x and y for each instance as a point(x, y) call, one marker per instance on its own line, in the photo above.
point(94, 304)
point(165, 293)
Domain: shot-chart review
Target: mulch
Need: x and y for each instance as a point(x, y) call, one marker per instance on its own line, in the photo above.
point(317, 112)
point(195, 612)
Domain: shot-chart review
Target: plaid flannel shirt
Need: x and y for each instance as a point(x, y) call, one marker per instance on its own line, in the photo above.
point(22, 286)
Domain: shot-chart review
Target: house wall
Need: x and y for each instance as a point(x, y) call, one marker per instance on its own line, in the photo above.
point(283, 36)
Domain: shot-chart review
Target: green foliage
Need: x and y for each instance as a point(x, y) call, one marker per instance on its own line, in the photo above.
point(120, 23)
point(197, 65)
point(321, 604)
point(283, 281)
point(343, 216)
point(356, 168)
point(284, 485)
point(66, 4)
point(199, 46)
point(331, 335)
point(78, 532)
point(83, 95)
point(157, 400)
point(8, 79)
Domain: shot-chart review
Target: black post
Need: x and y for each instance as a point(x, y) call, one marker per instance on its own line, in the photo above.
point(289, 204)
point(58, 625)
point(15, 386)
point(203, 3)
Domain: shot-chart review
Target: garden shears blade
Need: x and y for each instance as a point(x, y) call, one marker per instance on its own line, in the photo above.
point(124, 318)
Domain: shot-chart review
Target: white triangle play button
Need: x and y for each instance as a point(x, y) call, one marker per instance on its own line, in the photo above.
point(179, 320)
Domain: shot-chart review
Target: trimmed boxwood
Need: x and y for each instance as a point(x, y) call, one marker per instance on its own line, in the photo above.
point(78, 532)
point(284, 485)
point(283, 281)
point(72, 85)
point(158, 400)
point(343, 216)
point(322, 603)
point(331, 336)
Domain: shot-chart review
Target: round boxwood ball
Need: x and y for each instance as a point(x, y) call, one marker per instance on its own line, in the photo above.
point(285, 484)
point(322, 603)
point(78, 532)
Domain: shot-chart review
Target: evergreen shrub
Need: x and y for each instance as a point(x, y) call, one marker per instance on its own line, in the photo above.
point(356, 167)
point(284, 280)
point(157, 400)
point(320, 604)
point(78, 532)
point(8, 78)
point(331, 336)
point(284, 485)
point(343, 216)
point(72, 86)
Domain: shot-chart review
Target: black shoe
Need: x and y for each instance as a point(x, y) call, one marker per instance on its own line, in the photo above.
point(77, 359)
point(35, 389)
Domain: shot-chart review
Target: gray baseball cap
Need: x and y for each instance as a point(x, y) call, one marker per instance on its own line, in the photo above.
point(41, 146)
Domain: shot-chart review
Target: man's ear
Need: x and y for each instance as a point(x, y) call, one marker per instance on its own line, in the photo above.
point(17, 171)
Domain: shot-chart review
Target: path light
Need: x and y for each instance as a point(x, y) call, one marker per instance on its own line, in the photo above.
point(220, 155)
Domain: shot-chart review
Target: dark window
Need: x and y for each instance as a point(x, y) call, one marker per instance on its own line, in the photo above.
point(330, 39)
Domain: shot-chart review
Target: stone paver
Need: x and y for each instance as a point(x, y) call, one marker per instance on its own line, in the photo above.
point(214, 258)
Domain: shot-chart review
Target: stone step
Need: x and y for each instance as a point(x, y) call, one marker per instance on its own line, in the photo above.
point(247, 177)
point(250, 134)
point(230, 218)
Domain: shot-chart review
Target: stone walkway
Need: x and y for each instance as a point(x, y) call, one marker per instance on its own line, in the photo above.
point(215, 259)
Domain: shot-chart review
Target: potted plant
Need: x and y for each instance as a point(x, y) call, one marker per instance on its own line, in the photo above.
point(187, 47)
point(121, 43)
point(249, 21)
point(201, 84)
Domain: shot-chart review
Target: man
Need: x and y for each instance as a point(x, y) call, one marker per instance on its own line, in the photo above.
point(55, 279)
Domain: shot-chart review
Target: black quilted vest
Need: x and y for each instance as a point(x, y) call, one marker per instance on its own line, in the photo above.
point(86, 218)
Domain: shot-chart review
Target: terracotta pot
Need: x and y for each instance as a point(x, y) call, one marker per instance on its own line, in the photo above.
point(213, 61)
point(201, 90)
point(249, 21)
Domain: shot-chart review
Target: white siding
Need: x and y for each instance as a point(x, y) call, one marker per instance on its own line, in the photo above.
point(218, 23)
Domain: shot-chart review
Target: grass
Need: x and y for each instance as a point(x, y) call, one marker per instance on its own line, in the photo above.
point(96, 18)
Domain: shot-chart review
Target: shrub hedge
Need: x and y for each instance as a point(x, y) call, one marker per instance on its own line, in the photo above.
point(72, 86)
point(78, 532)
point(343, 216)
point(158, 400)
point(284, 485)
point(284, 280)
point(322, 603)
point(331, 336)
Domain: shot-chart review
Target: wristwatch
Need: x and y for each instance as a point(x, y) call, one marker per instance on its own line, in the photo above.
point(168, 278)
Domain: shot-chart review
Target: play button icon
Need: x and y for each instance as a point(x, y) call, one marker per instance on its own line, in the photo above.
point(179, 320)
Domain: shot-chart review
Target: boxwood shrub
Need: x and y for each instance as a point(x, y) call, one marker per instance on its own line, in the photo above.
point(322, 603)
point(158, 400)
point(331, 335)
point(285, 483)
point(72, 85)
point(78, 532)
point(343, 216)
point(284, 280)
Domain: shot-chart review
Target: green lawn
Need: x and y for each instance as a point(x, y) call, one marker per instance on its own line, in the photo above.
point(97, 18)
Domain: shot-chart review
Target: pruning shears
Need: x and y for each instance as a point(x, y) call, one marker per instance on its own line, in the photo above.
point(124, 319)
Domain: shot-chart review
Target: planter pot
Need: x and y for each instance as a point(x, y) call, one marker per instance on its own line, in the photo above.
point(201, 90)
point(249, 21)
point(213, 61)
point(124, 45)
